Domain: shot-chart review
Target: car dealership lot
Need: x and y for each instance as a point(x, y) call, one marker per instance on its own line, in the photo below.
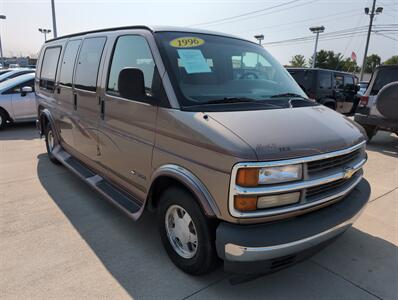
point(60, 239)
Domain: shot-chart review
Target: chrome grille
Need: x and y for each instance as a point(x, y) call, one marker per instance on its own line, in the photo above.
point(333, 162)
point(315, 192)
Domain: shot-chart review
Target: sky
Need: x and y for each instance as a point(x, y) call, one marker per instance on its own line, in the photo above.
point(277, 19)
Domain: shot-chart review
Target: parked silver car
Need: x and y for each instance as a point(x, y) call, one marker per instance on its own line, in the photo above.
point(12, 73)
point(17, 100)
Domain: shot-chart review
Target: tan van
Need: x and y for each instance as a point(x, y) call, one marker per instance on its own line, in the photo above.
point(209, 132)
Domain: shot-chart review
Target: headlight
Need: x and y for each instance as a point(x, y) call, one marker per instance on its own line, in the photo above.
point(250, 177)
point(280, 174)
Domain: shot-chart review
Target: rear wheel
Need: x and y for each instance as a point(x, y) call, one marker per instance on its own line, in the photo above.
point(3, 119)
point(187, 235)
point(50, 143)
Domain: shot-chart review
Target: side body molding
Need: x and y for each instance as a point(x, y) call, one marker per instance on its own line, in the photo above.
point(188, 179)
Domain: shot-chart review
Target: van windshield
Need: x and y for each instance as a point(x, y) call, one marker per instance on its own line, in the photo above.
point(214, 70)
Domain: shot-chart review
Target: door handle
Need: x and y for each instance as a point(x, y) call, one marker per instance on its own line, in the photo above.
point(75, 101)
point(102, 109)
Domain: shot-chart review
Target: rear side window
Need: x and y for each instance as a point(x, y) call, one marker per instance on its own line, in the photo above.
point(49, 67)
point(384, 77)
point(88, 63)
point(304, 78)
point(325, 80)
point(68, 62)
point(131, 52)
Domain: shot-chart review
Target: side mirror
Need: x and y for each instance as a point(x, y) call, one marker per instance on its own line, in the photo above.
point(387, 101)
point(25, 90)
point(131, 84)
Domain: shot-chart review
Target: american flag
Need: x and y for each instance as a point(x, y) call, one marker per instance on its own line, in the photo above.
point(353, 56)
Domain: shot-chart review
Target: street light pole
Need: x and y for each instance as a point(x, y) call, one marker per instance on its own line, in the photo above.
point(259, 38)
point(2, 17)
point(317, 31)
point(54, 20)
point(45, 31)
point(371, 15)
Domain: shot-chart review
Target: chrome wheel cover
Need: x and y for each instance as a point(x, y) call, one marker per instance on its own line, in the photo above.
point(181, 231)
point(50, 140)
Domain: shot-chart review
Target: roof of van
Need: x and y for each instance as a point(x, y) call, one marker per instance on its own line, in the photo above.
point(316, 69)
point(152, 29)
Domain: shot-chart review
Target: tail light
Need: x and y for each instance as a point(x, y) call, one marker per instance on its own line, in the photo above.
point(364, 100)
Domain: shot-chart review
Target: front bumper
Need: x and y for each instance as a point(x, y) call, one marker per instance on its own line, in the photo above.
point(262, 248)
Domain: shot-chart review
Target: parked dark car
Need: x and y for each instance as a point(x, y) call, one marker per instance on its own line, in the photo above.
point(334, 89)
point(374, 113)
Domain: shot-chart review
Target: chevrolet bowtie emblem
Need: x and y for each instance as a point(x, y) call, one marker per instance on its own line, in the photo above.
point(348, 172)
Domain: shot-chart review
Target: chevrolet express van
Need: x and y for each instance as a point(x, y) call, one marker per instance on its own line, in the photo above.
point(236, 166)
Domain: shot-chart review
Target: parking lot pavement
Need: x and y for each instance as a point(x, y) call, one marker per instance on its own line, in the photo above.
point(60, 239)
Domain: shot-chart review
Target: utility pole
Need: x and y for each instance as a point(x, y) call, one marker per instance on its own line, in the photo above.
point(374, 11)
point(2, 17)
point(54, 19)
point(317, 30)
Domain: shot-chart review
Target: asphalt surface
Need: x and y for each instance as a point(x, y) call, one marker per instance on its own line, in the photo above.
point(61, 240)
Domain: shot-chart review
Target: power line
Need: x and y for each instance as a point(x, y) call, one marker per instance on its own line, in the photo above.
point(244, 14)
point(303, 21)
point(254, 14)
point(323, 39)
point(386, 36)
point(338, 33)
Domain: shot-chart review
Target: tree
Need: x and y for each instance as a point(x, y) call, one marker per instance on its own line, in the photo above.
point(393, 60)
point(328, 60)
point(348, 65)
point(372, 62)
point(298, 61)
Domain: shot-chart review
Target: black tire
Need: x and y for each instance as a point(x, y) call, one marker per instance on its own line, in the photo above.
point(205, 258)
point(48, 130)
point(370, 131)
point(3, 119)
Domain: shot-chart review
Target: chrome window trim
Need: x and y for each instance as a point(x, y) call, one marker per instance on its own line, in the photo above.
point(282, 188)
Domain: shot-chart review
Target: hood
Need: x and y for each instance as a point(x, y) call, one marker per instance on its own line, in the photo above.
point(289, 133)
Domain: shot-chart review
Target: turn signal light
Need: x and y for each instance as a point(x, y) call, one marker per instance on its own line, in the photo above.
point(247, 177)
point(245, 203)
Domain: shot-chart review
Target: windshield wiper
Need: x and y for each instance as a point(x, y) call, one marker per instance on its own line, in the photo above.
point(287, 95)
point(230, 100)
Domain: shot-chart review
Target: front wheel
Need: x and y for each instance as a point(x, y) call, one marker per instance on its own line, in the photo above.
point(187, 235)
